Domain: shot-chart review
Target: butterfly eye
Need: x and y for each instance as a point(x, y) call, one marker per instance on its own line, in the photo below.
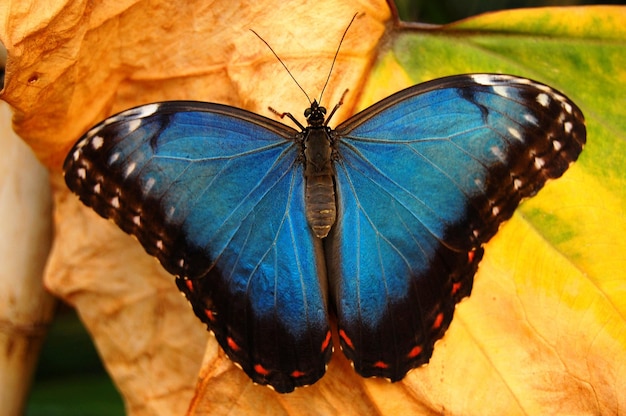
point(307, 112)
point(323, 110)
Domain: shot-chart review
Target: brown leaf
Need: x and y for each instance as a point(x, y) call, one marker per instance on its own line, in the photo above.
point(71, 65)
point(150, 341)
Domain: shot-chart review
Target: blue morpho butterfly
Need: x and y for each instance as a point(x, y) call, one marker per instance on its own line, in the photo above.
point(380, 221)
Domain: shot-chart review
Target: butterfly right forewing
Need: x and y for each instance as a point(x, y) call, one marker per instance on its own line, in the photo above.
point(424, 178)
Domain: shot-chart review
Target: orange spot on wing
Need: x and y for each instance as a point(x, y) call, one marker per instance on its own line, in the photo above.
point(261, 370)
point(232, 344)
point(417, 350)
point(345, 338)
point(210, 314)
point(296, 373)
point(189, 284)
point(380, 364)
point(326, 341)
point(455, 287)
point(470, 256)
point(438, 320)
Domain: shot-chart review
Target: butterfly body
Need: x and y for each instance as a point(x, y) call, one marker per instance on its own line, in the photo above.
point(320, 188)
point(379, 221)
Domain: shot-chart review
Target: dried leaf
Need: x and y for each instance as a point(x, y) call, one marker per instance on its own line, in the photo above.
point(544, 327)
point(72, 64)
point(26, 309)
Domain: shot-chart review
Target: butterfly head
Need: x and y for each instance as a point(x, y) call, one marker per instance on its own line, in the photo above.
point(315, 114)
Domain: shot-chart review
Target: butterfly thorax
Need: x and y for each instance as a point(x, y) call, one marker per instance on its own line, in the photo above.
point(320, 188)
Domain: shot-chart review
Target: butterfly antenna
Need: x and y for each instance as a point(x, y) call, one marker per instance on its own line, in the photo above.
point(336, 53)
point(283, 64)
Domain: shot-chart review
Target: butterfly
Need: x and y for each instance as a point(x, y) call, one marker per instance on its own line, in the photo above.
point(380, 221)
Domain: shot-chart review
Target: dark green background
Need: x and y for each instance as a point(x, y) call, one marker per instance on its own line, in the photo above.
point(446, 11)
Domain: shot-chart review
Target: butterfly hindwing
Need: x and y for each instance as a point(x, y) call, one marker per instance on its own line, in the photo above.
point(217, 195)
point(424, 178)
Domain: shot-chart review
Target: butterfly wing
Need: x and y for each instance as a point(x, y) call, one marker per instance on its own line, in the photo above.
point(217, 195)
point(423, 179)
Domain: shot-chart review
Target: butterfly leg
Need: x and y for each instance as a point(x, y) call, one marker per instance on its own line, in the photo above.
point(288, 115)
point(336, 107)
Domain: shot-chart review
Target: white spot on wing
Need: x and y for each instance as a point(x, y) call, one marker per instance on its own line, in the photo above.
point(149, 184)
point(113, 119)
point(115, 202)
point(97, 142)
point(567, 126)
point(137, 220)
point(531, 119)
point(159, 244)
point(133, 125)
point(113, 158)
point(567, 107)
point(497, 152)
point(544, 88)
point(517, 183)
point(539, 162)
point(92, 132)
point(515, 133)
point(83, 142)
point(147, 110)
point(140, 112)
point(483, 79)
point(96, 188)
point(76, 155)
point(557, 145)
point(501, 91)
point(132, 114)
point(495, 211)
point(131, 167)
point(543, 99)
point(81, 173)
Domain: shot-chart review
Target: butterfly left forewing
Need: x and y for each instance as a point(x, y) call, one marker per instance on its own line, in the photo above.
point(217, 195)
point(424, 178)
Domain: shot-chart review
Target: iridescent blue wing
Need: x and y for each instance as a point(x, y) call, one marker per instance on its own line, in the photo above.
point(424, 178)
point(217, 195)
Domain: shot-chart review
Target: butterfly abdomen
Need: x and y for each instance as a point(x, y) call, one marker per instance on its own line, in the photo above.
point(320, 204)
point(320, 187)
